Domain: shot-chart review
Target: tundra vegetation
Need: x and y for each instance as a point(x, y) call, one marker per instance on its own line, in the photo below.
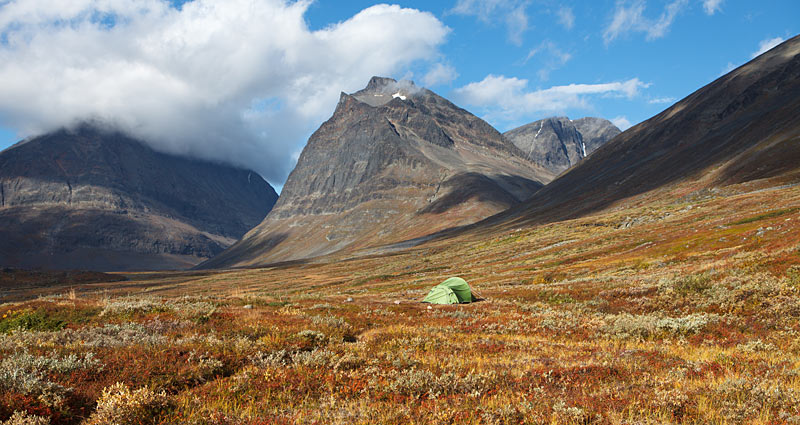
point(651, 312)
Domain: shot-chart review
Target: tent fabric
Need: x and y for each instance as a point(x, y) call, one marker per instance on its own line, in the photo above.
point(441, 295)
point(454, 290)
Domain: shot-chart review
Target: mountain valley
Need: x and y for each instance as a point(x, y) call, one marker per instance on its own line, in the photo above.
point(645, 277)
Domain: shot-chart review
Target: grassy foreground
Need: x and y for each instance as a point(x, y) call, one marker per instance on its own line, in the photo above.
point(659, 312)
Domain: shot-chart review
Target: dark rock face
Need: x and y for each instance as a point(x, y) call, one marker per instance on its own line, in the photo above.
point(88, 198)
point(740, 128)
point(559, 143)
point(395, 161)
point(595, 132)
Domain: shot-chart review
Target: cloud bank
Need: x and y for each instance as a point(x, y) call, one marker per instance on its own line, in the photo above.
point(508, 98)
point(237, 81)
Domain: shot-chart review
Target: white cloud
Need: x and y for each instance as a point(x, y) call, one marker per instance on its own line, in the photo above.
point(505, 98)
point(513, 13)
point(712, 6)
point(661, 100)
point(240, 81)
point(621, 122)
point(763, 47)
point(555, 58)
point(728, 68)
point(439, 74)
point(517, 22)
point(566, 17)
point(766, 45)
point(629, 17)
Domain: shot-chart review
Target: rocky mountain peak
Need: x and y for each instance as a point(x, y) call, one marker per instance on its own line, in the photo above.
point(347, 104)
point(381, 91)
point(394, 162)
point(558, 143)
point(378, 83)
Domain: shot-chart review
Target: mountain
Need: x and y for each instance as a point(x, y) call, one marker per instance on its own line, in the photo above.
point(95, 199)
point(741, 128)
point(595, 132)
point(558, 143)
point(394, 162)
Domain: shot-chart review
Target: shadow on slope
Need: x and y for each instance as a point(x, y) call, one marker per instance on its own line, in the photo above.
point(248, 249)
point(466, 186)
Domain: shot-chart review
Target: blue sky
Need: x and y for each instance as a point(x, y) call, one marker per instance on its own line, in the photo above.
point(697, 46)
point(247, 81)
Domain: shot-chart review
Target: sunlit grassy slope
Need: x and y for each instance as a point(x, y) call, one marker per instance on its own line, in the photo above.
point(681, 306)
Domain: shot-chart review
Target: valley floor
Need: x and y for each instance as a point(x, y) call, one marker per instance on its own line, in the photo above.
point(650, 312)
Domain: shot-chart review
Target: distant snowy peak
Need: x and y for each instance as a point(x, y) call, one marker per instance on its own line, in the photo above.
point(558, 143)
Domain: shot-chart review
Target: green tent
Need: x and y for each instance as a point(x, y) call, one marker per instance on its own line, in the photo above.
point(454, 290)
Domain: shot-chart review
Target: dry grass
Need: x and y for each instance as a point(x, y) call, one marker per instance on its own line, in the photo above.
point(649, 313)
